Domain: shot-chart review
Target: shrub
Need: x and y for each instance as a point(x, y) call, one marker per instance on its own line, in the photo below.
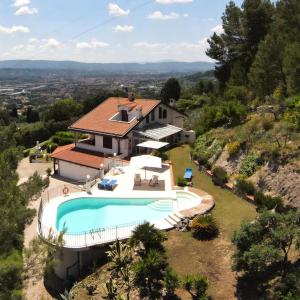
point(161, 154)
point(245, 187)
point(196, 285)
point(204, 227)
point(249, 165)
point(26, 152)
point(233, 148)
point(181, 181)
point(219, 176)
point(267, 201)
point(49, 171)
point(63, 138)
point(171, 281)
point(202, 158)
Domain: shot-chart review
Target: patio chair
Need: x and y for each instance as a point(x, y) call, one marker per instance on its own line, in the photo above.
point(154, 180)
point(103, 183)
point(111, 185)
point(137, 179)
point(188, 174)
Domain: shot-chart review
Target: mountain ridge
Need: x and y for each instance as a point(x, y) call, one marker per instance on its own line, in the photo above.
point(129, 67)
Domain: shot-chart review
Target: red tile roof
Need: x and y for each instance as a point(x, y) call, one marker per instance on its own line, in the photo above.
point(98, 120)
point(77, 156)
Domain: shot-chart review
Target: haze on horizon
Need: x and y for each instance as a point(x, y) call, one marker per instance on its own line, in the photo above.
point(108, 31)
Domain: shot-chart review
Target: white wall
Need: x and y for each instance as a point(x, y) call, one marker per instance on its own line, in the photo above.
point(76, 172)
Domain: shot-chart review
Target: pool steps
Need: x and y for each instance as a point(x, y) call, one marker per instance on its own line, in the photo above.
point(162, 205)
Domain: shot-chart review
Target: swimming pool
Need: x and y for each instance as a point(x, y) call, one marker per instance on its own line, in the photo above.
point(87, 213)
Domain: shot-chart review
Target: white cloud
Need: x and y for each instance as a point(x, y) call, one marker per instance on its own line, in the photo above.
point(116, 11)
point(18, 3)
point(158, 15)
point(51, 44)
point(173, 1)
point(185, 15)
point(124, 28)
point(217, 29)
point(148, 45)
point(93, 44)
point(14, 29)
point(25, 10)
point(32, 40)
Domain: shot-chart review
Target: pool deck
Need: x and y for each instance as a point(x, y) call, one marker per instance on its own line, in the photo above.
point(199, 202)
point(206, 205)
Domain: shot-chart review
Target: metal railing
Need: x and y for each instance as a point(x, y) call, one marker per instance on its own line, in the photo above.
point(92, 237)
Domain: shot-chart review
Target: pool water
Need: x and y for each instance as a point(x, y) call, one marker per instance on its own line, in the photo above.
point(85, 214)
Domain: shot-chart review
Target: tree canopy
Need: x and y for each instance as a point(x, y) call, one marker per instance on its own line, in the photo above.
point(267, 253)
point(171, 90)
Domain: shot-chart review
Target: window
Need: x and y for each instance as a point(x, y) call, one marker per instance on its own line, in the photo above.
point(160, 113)
point(147, 119)
point(107, 142)
point(152, 115)
point(164, 114)
point(124, 116)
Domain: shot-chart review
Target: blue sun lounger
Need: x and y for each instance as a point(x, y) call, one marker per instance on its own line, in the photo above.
point(102, 185)
point(111, 185)
point(188, 173)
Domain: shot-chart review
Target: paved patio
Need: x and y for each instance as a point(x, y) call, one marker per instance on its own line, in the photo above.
point(126, 178)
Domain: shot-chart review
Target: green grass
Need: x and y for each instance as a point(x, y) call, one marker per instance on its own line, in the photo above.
point(230, 210)
point(212, 258)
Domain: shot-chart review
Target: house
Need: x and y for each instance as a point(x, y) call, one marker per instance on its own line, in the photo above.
point(114, 129)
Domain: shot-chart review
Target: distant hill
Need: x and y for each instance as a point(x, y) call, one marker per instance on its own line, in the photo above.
point(110, 68)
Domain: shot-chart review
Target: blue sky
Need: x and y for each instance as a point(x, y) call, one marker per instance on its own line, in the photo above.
point(108, 31)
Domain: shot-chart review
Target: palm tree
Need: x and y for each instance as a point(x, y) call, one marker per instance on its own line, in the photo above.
point(149, 272)
point(151, 237)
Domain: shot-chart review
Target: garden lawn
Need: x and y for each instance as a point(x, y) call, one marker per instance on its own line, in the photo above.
point(211, 258)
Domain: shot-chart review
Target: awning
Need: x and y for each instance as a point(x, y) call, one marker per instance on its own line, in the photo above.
point(152, 145)
point(158, 131)
point(146, 161)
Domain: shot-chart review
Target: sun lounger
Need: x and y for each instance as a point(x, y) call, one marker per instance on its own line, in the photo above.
point(103, 183)
point(188, 173)
point(137, 179)
point(154, 180)
point(111, 185)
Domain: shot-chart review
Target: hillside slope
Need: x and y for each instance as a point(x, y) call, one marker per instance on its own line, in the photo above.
point(263, 150)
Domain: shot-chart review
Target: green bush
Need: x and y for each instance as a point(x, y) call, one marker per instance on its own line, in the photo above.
point(196, 285)
point(233, 148)
point(267, 202)
point(245, 187)
point(26, 152)
point(204, 227)
point(161, 154)
point(219, 176)
point(249, 165)
point(63, 138)
point(171, 281)
point(181, 181)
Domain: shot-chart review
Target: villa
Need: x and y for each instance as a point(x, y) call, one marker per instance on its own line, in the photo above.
point(129, 189)
point(115, 129)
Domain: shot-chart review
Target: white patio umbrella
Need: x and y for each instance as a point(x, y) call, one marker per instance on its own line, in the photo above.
point(146, 161)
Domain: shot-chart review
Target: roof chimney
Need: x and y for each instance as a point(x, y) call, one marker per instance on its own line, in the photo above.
point(131, 96)
point(172, 102)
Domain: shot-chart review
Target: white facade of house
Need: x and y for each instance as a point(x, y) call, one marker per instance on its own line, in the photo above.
point(76, 172)
point(123, 147)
